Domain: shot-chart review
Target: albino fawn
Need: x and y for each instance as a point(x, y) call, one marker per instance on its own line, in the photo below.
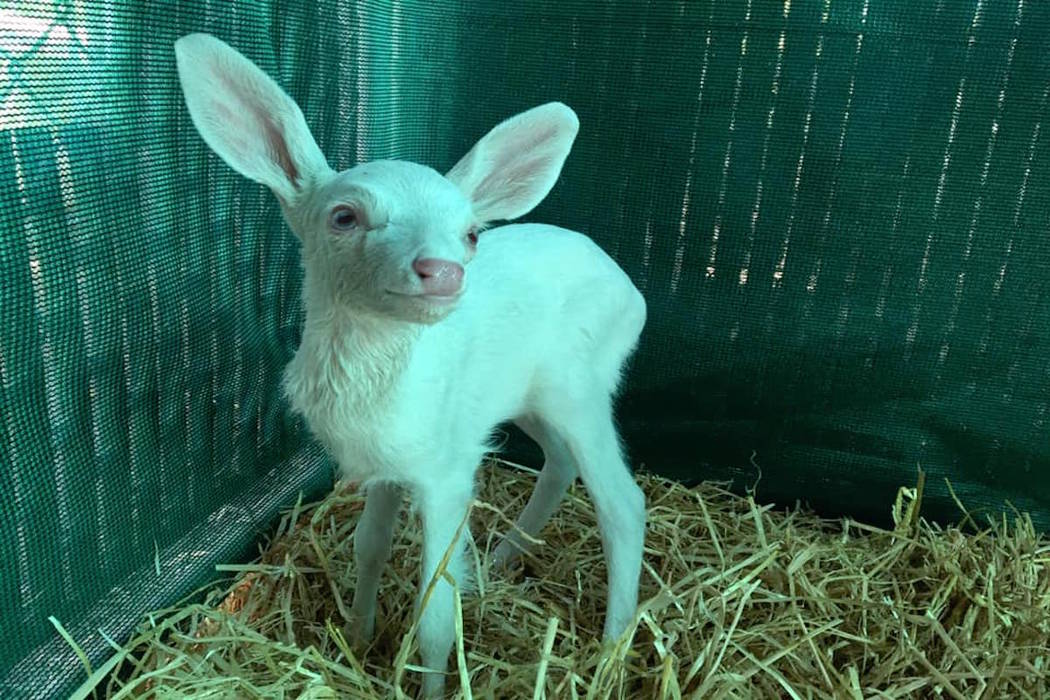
point(422, 335)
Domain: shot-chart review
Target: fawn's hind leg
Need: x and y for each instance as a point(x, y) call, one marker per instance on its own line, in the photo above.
point(558, 473)
point(583, 422)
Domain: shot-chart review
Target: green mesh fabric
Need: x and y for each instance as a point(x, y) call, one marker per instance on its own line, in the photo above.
point(838, 212)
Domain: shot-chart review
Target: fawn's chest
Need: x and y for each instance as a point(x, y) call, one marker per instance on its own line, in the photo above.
point(359, 410)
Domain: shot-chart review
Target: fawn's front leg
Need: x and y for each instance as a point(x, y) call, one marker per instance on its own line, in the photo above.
point(442, 513)
point(372, 540)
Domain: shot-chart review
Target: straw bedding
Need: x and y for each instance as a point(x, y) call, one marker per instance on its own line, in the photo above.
point(737, 601)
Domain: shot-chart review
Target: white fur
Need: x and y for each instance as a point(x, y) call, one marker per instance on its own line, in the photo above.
point(405, 390)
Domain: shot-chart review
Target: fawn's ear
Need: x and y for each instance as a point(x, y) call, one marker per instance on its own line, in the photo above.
point(245, 117)
point(514, 166)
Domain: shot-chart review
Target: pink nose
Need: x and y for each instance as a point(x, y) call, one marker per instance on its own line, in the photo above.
point(442, 278)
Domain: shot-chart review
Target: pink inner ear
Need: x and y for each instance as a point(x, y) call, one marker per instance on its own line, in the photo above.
point(517, 158)
point(253, 121)
point(511, 147)
point(510, 183)
point(279, 152)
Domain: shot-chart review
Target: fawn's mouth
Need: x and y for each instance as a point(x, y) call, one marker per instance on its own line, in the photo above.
point(429, 299)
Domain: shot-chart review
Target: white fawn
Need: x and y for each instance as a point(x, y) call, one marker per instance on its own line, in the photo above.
point(423, 334)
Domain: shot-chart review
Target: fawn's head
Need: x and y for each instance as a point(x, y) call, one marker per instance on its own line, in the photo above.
point(391, 238)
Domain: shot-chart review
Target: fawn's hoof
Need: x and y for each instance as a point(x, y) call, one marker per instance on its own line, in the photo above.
point(360, 630)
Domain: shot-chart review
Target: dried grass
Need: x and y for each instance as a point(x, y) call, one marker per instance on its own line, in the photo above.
point(739, 601)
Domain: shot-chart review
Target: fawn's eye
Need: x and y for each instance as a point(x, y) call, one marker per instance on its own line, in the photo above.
point(472, 235)
point(343, 218)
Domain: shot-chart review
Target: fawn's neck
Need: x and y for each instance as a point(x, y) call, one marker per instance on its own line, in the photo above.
point(349, 354)
point(357, 354)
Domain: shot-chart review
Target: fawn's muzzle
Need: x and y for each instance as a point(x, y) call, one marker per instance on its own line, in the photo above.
point(442, 278)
